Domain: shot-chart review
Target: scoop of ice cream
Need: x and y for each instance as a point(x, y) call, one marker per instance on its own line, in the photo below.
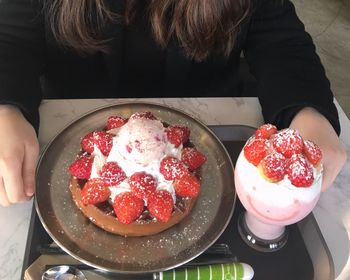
point(141, 140)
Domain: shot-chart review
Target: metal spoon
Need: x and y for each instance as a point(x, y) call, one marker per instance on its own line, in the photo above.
point(63, 272)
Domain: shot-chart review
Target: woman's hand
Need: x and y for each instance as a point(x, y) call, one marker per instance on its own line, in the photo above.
point(315, 127)
point(19, 150)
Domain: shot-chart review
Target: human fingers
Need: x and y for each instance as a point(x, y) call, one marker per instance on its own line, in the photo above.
point(29, 166)
point(3, 196)
point(12, 178)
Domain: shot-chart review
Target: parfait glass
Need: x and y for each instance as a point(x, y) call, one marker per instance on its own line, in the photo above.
point(270, 207)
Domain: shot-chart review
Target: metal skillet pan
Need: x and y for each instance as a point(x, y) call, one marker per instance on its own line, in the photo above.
point(91, 245)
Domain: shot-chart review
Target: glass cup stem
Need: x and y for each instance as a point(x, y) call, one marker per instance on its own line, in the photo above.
point(263, 230)
point(261, 236)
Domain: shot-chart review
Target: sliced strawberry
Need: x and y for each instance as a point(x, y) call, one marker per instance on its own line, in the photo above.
point(81, 167)
point(288, 142)
point(115, 122)
point(112, 174)
point(177, 134)
point(142, 184)
point(94, 191)
point(103, 141)
point(273, 167)
point(312, 152)
point(160, 205)
point(171, 168)
point(192, 158)
point(187, 186)
point(299, 171)
point(255, 150)
point(128, 207)
point(144, 115)
point(265, 131)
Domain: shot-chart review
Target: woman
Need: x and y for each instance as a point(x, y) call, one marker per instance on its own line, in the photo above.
point(165, 48)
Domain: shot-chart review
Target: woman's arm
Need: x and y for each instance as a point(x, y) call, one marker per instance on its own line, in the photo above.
point(282, 57)
point(292, 86)
point(22, 54)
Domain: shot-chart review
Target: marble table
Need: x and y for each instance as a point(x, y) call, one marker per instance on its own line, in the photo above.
point(332, 212)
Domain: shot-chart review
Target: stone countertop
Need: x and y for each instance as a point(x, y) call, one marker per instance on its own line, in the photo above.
point(332, 211)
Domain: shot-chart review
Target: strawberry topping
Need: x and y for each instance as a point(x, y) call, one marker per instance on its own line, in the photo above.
point(288, 142)
point(142, 184)
point(299, 171)
point(255, 150)
point(145, 115)
point(115, 122)
point(312, 152)
point(265, 131)
point(81, 167)
point(177, 134)
point(102, 140)
point(94, 191)
point(128, 207)
point(283, 153)
point(187, 186)
point(160, 205)
point(171, 168)
point(273, 167)
point(112, 174)
point(192, 158)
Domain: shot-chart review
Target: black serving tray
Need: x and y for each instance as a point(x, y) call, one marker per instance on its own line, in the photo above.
point(305, 256)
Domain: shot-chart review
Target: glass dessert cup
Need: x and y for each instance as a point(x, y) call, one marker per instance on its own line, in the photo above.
point(270, 207)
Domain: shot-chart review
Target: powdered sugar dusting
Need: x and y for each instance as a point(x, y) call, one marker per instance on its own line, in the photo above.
point(299, 171)
point(312, 152)
point(287, 142)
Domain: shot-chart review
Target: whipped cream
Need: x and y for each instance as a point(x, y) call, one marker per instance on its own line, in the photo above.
point(98, 162)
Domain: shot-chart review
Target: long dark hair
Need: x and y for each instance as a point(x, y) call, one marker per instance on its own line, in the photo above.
point(201, 27)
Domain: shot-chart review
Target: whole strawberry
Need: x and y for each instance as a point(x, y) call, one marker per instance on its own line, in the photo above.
point(265, 131)
point(142, 184)
point(94, 191)
point(273, 167)
point(312, 152)
point(143, 115)
point(81, 167)
point(299, 171)
point(102, 140)
point(187, 186)
point(128, 207)
point(112, 174)
point(255, 150)
point(160, 205)
point(172, 168)
point(177, 134)
point(288, 142)
point(192, 158)
point(115, 122)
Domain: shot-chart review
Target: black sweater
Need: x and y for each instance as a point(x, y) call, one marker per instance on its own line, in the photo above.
point(280, 54)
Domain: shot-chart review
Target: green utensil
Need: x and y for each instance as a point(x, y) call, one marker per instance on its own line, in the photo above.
point(227, 271)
